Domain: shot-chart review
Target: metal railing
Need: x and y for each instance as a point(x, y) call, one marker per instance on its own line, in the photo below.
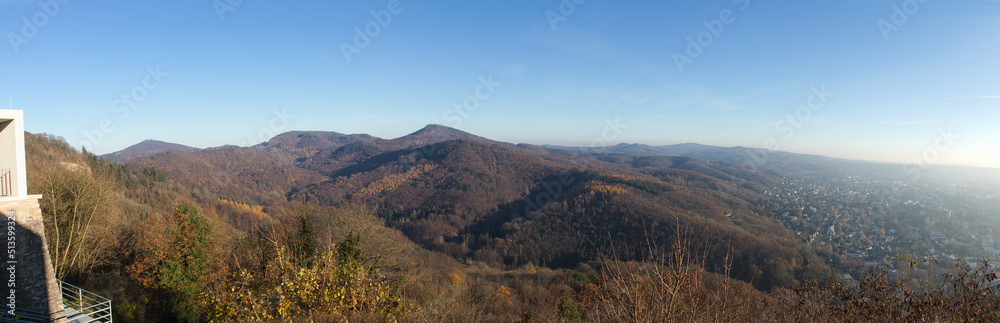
point(5, 187)
point(25, 316)
point(89, 307)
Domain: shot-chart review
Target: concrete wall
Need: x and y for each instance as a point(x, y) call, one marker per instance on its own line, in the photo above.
point(26, 251)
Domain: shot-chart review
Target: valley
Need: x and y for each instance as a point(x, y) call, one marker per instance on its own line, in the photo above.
point(472, 205)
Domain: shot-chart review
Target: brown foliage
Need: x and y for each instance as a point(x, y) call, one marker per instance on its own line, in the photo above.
point(966, 294)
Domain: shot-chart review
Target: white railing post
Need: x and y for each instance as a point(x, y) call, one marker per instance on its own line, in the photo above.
point(90, 306)
point(5, 188)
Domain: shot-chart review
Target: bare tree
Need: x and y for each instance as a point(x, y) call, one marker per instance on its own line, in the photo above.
point(77, 204)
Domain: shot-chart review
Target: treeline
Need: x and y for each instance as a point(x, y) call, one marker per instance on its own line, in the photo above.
point(136, 237)
point(604, 248)
point(659, 292)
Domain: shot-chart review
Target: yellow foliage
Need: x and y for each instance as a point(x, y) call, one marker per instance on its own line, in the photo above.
point(624, 177)
point(456, 278)
point(252, 209)
point(330, 286)
point(599, 187)
point(503, 291)
point(394, 181)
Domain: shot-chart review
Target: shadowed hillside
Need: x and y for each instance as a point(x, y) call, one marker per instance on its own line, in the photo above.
point(460, 194)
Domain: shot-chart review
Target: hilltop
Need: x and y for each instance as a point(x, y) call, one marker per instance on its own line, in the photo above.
point(145, 148)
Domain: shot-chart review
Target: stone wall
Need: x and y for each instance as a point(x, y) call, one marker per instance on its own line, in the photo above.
point(26, 259)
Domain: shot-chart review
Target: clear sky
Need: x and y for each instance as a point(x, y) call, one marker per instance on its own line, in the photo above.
point(206, 73)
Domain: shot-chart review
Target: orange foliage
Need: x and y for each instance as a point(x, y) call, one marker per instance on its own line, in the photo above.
point(151, 250)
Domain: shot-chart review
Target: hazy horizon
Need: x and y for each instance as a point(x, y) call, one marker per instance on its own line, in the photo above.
point(568, 145)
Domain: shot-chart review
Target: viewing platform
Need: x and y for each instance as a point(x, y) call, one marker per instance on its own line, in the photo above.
point(32, 293)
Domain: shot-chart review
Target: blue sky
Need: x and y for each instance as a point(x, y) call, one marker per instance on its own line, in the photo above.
point(926, 79)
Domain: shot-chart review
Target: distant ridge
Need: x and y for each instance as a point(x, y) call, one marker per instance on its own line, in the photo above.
point(145, 148)
point(787, 161)
point(299, 144)
point(327, 152)
point(334, 158)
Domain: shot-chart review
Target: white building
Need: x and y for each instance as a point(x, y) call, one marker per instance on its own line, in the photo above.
point(13, 180)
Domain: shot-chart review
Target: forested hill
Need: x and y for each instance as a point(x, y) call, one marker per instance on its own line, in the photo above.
point(145, 148)
point(507, 205)
point(441, 226)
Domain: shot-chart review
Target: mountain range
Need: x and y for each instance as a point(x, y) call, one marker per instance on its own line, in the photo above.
point(303, 146)
point(506, 205)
